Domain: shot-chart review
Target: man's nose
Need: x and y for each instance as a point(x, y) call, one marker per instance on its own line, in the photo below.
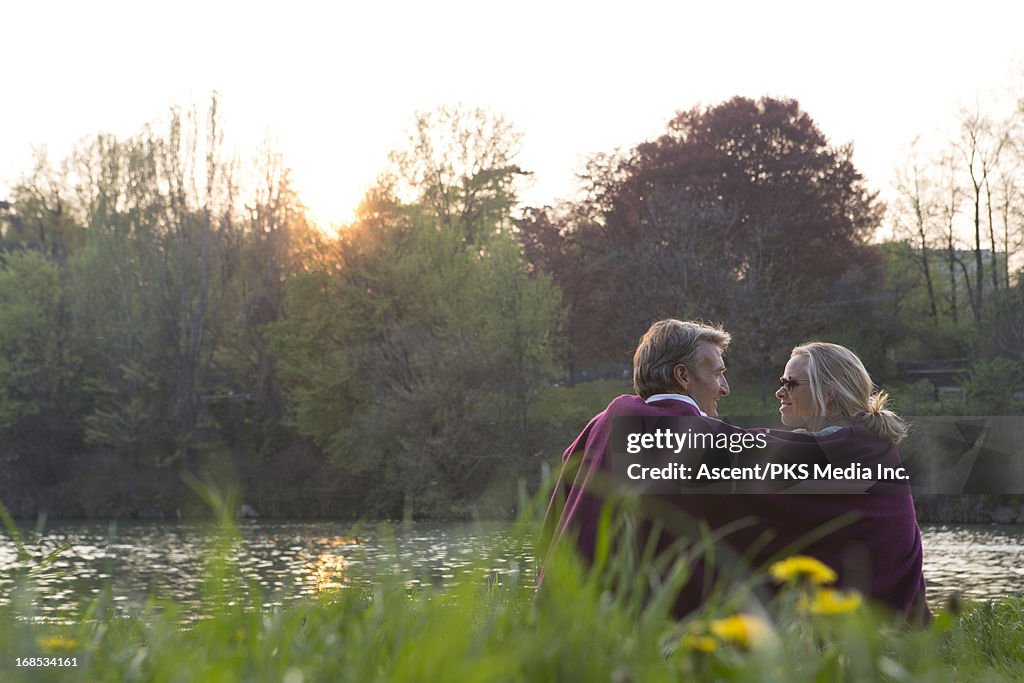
point(778, 393)
point(723, 386)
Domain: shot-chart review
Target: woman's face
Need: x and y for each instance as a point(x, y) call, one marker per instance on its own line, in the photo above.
point(795, 403)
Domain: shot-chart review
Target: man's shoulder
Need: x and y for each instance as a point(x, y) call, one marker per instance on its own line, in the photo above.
point(631, 405)
point(625, 404)
point(597, 432)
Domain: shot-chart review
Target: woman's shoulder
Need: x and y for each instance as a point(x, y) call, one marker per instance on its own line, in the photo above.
point(851, 431)
point(832, 429)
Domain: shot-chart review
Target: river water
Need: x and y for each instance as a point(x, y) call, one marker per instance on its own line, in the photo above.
point(291, 560)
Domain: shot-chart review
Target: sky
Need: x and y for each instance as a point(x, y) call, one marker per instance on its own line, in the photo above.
point(335, 86)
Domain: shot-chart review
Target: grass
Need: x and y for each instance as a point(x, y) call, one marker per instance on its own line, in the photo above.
point(752, 400)
point(575, 405)
point(611, 623)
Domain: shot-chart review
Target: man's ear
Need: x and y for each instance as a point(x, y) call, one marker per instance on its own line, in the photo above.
point(680, 376)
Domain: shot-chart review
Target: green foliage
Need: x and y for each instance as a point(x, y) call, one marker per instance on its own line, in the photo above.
point(39, 218)
point(37, 362)
point(151, 280)
point(415, 351)
point(135, 291)
point(459, 164)
point(921, 398)
point(477, 629)
point(155, 316)
point(752, 399)
point(40, 370)
point(565, 410)
point(988, 390)
point(896, 322)
point(419, 359)
point(991, 385)
point(1002, 331)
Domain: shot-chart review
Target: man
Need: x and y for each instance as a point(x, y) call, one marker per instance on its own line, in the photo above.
point(682, 361)
point(678, 371)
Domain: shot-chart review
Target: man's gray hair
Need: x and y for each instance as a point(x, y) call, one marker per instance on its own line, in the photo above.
point(666, 344)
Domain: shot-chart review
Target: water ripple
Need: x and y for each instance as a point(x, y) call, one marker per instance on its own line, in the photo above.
point(295, 560)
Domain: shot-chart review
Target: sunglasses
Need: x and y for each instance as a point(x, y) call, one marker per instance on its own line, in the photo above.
point(790, 384)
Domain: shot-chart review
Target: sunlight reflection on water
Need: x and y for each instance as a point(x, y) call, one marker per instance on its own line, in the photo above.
point(975, 560)
point(287, 560)
point(293, 560)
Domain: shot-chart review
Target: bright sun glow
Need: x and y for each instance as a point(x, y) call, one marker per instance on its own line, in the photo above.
point(338, 84)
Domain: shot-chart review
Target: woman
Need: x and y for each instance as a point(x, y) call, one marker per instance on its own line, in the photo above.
point(825, 386)
point(867, 533)
point(826, 392)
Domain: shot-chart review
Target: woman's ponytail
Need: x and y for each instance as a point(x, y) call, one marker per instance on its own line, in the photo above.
point(887, 424)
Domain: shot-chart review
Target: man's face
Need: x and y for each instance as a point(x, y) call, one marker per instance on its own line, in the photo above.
point(706, 382)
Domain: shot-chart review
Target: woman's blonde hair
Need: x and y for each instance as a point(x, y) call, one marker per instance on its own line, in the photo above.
point(841, 387)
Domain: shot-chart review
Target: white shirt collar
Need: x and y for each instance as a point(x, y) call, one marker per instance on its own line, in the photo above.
point(831, 429)
point(676, 397)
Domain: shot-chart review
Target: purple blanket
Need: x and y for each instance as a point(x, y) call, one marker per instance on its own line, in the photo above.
point(872, 541)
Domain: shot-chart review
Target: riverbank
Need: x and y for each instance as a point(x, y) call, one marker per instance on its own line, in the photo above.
point(486, 625)
point(486, 630)
point(295, 480)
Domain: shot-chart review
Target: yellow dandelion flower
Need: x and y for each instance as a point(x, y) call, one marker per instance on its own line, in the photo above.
point(54, 644)
point(831, 601)
point(801, 568)
point(699, 643)
point(743, 630)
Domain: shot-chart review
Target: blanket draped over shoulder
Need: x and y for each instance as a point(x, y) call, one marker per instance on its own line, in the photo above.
point(871, 540)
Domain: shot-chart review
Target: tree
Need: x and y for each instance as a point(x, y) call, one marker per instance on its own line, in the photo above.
point(520, 335)
point(1009, 201)
point(950, 208)
point(916, 215)
point(552, 250)
point(741, 212)
point(156, 285)
point(962, 214)
point(37, 215)
point(1004, 331)
point(413, 353)
point(269, 249)
point(152, 281)
point(40, 396)
point(459, 164)
point(980, 146)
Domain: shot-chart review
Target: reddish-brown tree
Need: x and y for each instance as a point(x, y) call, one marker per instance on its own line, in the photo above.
point(741, 212)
